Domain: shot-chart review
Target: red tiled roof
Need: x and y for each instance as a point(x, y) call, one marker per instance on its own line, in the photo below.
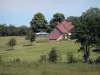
point(65, 27)
point(62, 29)
point(54, 36)
point(68, 26)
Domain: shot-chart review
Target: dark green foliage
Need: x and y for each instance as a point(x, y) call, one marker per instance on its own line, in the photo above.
point(90, 61)
point(87, 31)
point(38, 23)
point(11, 30)
point(43, 59)
point(31, 36)
point(72, 19)
point(71, 58)
point(17, 60)
point(53, 55)
point(97, 61)
point(57, 19)
point(12, 42)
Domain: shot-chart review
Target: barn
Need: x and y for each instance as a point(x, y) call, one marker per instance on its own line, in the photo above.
point(61, 31)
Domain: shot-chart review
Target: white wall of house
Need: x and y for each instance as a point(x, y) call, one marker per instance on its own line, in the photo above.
point(61, 37)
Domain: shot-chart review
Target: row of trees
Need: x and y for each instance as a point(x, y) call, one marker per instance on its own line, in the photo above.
point(11, 30)
point(38, 24)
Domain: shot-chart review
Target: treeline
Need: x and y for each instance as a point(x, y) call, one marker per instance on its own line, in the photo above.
point(12, 30)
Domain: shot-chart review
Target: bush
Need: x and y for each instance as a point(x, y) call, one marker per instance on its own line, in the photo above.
point(71, 58)
point(97, 61)
point(43, 59)
point(53, 55)
point(90, 61)
point(12, 42)
point(17, 60)
point(27, 38)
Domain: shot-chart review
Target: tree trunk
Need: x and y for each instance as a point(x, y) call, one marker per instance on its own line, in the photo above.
point(86, 54)
point(12, 47)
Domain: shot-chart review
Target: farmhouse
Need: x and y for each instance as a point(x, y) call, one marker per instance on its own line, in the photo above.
point(61, 31)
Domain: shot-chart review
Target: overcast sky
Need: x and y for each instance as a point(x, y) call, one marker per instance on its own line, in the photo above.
point(20, 12)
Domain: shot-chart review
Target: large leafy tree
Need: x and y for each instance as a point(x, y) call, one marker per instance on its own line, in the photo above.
point(72, 19)
point(38, 23)
point(87, 31)
point(58, 17)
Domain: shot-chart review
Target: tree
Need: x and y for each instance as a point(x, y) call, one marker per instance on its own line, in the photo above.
point(23, 30)
point(38, 23)
point(3, 30)
point(53, 55)
point(11, 42)
point(57, 18)
point(12, 30)
point(87, 31)
point(32, 37)
point(72, 19)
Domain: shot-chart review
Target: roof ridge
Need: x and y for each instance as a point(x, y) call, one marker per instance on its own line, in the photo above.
point(64, 26)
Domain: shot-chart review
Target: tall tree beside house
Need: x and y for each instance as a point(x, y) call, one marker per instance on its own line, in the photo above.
point(38, 23)
point(72, 19)
point(88, 31)
point(11, 42)
point(57, 18)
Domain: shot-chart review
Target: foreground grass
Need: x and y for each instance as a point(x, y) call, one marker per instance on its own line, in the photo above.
point(26, 68)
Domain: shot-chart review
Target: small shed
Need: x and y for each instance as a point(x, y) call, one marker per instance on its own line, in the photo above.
point(42, 34)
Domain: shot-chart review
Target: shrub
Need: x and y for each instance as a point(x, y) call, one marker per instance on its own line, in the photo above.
point(90, 61)
point(11, 42)
point(27, 38)
point(31, 36)
point(53, 55)
point(17, 60)
point(71, 58)
point(97, 61)
point(43, 59)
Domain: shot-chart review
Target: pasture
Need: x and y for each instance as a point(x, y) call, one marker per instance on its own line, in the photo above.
point(29, 55)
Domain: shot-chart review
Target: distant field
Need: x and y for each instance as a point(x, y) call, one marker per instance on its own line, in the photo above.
point(33, 53)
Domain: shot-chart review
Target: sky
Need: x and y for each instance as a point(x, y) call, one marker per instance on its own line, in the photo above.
point(21, 12)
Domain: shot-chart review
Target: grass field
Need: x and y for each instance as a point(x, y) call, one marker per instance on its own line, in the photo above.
point(30, 54)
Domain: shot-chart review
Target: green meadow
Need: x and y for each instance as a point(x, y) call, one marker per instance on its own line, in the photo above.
point(29, 56)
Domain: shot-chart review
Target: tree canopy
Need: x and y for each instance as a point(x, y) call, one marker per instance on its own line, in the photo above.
point(38, 22)
point(87, 31)
point(57, 18)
